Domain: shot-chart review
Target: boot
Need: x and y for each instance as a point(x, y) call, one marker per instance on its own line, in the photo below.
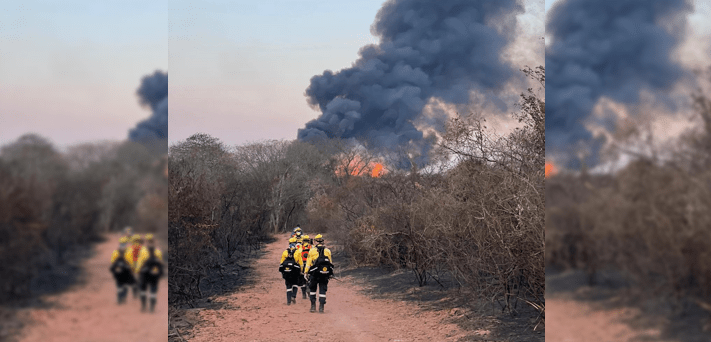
point(143, 303)
point(313, 307)
point(320, 307)
point(288, 298)
point(303, 292)
point(153, 304)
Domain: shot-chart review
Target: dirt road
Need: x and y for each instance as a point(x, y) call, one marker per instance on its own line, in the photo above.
point(573, 321)
point(259, 313)
point(88, 310)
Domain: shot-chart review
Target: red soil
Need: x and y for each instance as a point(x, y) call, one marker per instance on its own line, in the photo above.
point(259, 313)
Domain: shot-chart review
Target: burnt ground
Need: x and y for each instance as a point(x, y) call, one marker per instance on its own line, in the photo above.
point(470, 314)
point(51, 280)
point(237, 273)
point(615, 305)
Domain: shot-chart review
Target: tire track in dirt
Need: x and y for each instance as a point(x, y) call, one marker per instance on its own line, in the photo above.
point(259, 312)
point(87, 311)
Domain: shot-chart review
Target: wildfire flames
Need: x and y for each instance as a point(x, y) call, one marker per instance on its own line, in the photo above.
point(377, 170)
point(550, 169)
point(357, 167)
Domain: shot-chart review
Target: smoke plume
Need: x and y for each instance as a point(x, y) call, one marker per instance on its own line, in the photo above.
point(443, 49)
point(607, 48)
point(153, 93)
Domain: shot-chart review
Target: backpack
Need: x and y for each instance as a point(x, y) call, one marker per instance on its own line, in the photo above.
point(136, 249)
point(290, 269)
point(305, 253)
point(120, 267)
point(152, 266)
point(322, 266)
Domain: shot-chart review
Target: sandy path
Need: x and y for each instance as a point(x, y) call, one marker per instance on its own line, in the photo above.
point(572, 321)
point(88, 311)
point(259, 313)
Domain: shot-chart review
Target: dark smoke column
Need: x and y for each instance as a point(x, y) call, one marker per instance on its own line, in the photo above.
point(153, 92)
point(444, 49)
point(611, 48)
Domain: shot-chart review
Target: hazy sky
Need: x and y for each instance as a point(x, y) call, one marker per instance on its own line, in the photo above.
point(239, 69)
point(69, 70)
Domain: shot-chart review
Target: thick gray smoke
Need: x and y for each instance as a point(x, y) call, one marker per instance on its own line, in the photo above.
point(606, 48)
point(153, 92)
point(443, 49)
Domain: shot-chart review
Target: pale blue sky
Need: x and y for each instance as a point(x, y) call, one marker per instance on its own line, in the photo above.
point(239, 69)
point(69, 69)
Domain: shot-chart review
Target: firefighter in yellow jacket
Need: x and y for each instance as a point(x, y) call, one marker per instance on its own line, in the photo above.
point(305, 248)
point(150, 269)
point(291, 276)
point(121, 270)
point(132, 257)
point(319, 268)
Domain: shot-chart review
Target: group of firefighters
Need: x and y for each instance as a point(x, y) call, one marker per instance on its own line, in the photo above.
point(305, 264)
point(139, 266)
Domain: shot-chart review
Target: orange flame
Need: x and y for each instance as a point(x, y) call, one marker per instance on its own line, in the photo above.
point(377, 170)
point(357, 167)
point(550, 169)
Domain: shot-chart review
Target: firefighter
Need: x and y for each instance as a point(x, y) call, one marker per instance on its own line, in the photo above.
point(305, 248)
point(297, 229)
point(301, 282)
point(150, 269)
point(132, 258)
point(319, 267)
point(299, 239)
point(122, 271)
point(292, 257)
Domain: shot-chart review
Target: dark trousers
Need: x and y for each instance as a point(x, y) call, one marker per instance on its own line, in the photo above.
point(322, 284)
point(149, 282)
point(122, 283)
point(302, 284)
point(292, 287)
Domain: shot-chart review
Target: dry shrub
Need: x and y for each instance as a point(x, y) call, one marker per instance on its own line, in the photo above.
point(475, 215)
point(649, 221)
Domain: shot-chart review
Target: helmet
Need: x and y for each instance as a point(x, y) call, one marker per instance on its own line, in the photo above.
point(306, 237)
point(297, 229)
point(149, 237)
point(135, 238)
point(319, 238)
point(123, 240)
point(292, 240)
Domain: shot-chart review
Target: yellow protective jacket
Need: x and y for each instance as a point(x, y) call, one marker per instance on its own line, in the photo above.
point(116, 254)
point(313, 255)
point(297, 253)
point(144, 255)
